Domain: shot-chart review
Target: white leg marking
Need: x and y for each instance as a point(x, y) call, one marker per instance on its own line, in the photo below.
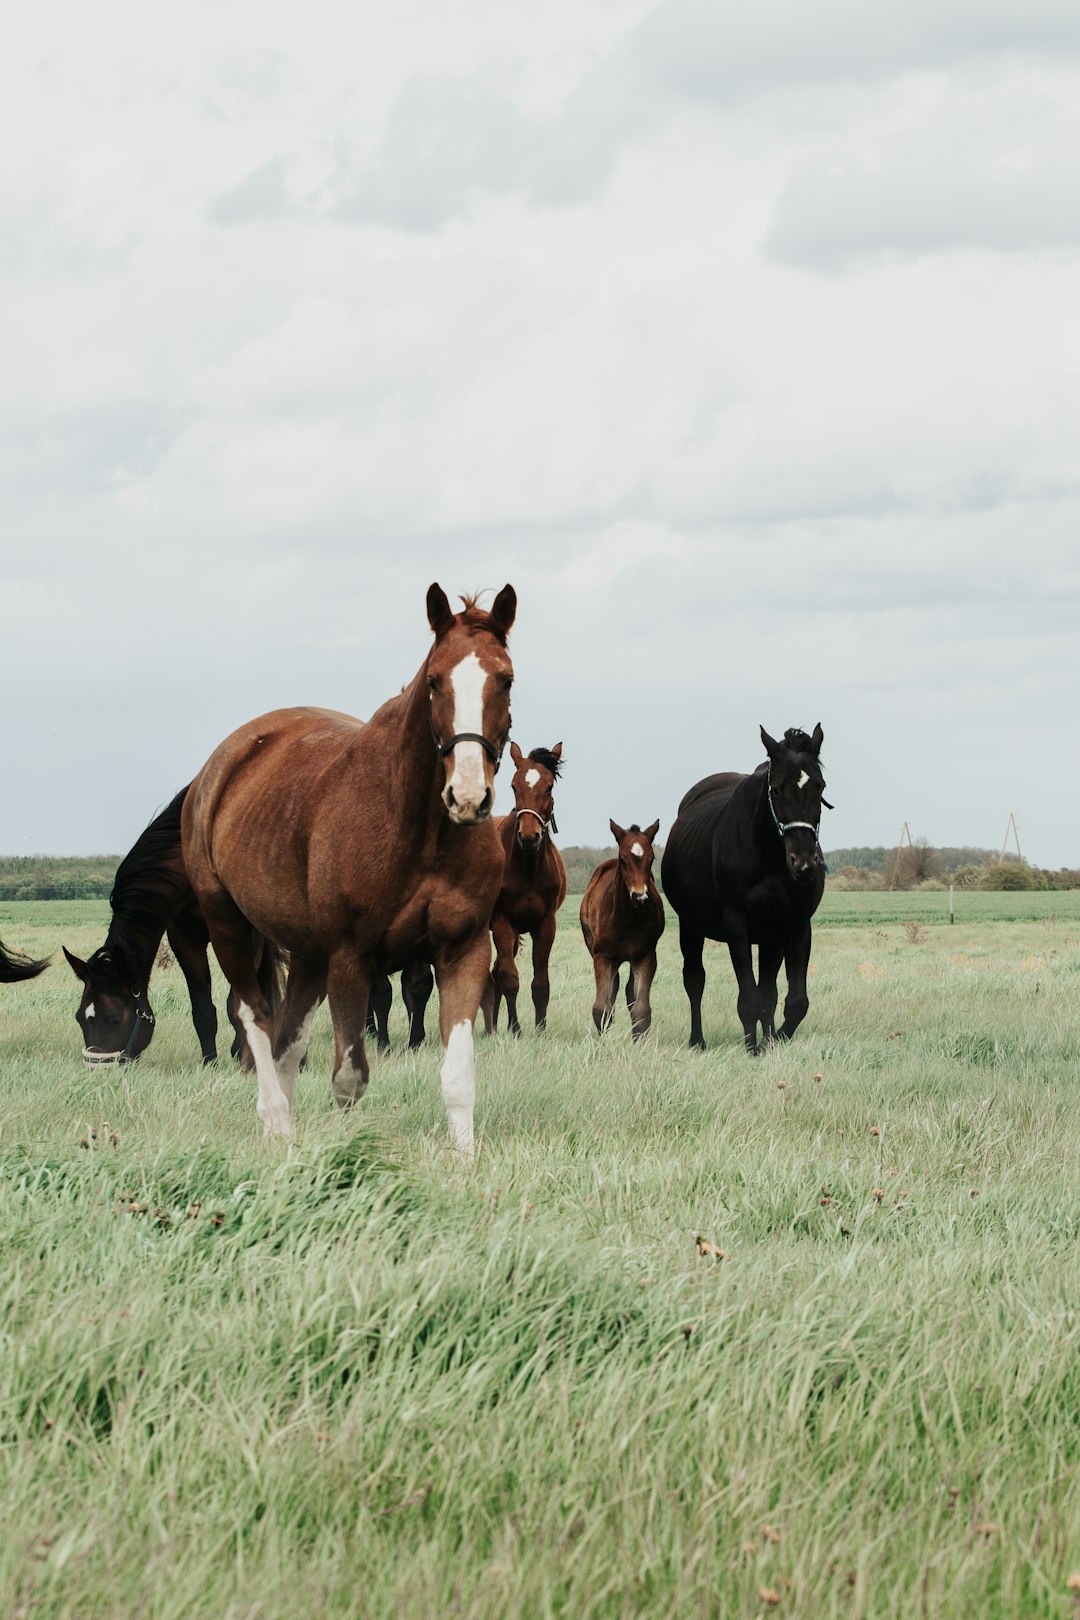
point(636, 849)
point(350, 1082)
point(803, 779)
point(468, 783)
point(288, 1064)
point(273, 1106)
point(88, 1010)
point(458, 1077)
point(532, 777)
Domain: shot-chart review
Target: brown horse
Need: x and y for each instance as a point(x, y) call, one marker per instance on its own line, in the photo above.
point(533, 886)
point(359, 849)
point(622, 918)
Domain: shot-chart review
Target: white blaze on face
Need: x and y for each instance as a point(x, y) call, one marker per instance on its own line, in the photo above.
point(636, 849)
point(803, 779)
point(468, 782)
point(458, 1076)
point(89, 1010)
point(532, 777)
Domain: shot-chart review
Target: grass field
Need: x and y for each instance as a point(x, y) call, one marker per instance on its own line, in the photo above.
point(351, 1377)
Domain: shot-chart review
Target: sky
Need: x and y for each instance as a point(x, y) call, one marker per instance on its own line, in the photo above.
point(743, 341)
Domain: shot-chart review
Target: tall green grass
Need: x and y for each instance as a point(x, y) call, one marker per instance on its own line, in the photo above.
point(349, 1376)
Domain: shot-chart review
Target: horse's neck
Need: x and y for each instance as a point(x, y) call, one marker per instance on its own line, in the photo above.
point(137, 942)
point(759, 816)
point(415, 767)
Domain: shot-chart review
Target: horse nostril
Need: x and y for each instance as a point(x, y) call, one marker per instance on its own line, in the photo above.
point(486, 802)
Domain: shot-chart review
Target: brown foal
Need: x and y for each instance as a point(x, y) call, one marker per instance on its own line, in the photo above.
point(533, 886)
point(622, 918)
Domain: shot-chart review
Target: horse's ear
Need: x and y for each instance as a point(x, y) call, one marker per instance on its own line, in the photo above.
point(617, 832)
point(557, 751)
point(77, 965)
point(439, 615)
point(503, 610)
point(772, 747)
point(651, 832)
point(515, 753)
point(817, 739)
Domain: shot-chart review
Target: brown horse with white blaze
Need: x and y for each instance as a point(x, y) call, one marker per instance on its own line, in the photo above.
point(533, 886)
point(360, 848)
point(622, 918)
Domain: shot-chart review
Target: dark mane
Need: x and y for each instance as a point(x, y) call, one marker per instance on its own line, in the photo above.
point(150, 878)
point(544, 757)
point(633, 827)
point(800, 743)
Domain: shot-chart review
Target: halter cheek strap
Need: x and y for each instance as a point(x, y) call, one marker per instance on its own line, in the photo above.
point(783, 827)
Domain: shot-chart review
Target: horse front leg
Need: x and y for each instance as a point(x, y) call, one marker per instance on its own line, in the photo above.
point(769, 958)
point(543, 940)
point(693, 977)
point(796, 964)
point(505, 972)
point(606, 972)
point(347, 988)
point(642, 973)
point(742, 960)
point(461, 976)
point(191, 956)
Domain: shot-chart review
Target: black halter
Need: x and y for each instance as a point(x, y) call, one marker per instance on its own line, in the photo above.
point(493, 751)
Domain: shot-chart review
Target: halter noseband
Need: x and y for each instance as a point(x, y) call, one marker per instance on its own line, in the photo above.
point(548, 826)
point(494, 752)
point(128, 1055)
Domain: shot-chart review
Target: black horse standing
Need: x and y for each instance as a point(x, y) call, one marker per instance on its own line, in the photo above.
point(743, 864)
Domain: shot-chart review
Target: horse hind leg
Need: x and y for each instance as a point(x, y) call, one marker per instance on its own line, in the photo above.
point(417, 983)
point(236, 945)
point(348, 984)
point(380, 999)
point(304, 990)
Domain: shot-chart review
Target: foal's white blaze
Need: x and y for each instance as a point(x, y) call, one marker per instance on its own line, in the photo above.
point(273, 1105)
point(467, 782)
point(803, 779)
point(458, 1076)
point(532, 777)
point(89, 1012)
point(636, 849)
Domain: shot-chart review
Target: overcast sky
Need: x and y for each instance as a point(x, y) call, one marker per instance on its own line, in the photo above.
point(743, 341)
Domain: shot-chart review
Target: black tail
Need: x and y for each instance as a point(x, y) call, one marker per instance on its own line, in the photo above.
point(271, 972)
point(14, 967)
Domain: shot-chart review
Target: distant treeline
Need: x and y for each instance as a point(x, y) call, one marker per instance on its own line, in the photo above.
point(90, 877)
point(57, 877)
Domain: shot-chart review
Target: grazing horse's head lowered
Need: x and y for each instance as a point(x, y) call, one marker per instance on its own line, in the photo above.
point(114, 1014)
point(794, 793)
point(635, 858)
point(535, 775)
point(469, 677)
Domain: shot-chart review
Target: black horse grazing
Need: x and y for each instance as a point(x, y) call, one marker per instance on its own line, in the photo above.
point(151, 897)
point(743, 864)
point(14, 967)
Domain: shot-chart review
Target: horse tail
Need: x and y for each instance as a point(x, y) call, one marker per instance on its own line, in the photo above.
point(270, 971)
point(14, 967)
